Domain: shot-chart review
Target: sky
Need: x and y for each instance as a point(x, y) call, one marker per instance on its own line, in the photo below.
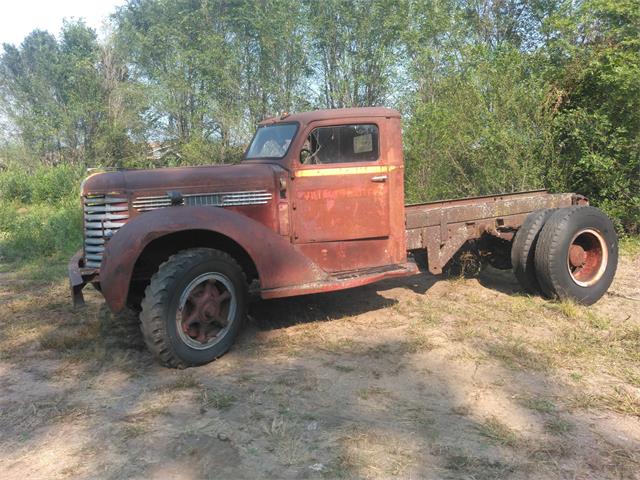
point(19, 17)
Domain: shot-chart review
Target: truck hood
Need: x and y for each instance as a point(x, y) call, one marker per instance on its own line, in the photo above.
point(183, 179)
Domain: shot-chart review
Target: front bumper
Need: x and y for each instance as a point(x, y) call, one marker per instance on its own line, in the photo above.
point(79, 276)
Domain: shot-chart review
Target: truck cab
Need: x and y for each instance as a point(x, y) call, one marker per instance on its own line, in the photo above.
point(343, 206)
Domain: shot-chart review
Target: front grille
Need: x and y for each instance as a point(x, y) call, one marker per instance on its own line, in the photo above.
point(103, 216)
point(219, 199)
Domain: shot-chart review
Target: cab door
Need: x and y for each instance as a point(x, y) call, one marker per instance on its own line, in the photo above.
point(341, 197)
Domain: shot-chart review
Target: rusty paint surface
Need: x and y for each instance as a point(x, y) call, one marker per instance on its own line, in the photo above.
point(315, 228)
point(279, 264)
point(443, 227)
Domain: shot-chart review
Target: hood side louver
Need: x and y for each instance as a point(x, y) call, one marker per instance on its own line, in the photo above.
point(219, 199)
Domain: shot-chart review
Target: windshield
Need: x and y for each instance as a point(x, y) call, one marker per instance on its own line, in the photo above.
point(272, 141)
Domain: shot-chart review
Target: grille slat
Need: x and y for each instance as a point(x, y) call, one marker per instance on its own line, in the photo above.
point(106, 216)
point(103, 216)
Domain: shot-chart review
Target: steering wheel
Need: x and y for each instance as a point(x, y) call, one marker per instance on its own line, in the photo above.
point(308, 156)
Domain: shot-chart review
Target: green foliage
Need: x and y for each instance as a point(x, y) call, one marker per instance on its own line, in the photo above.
point(480, 131)
point(40, 215)
point(355, 49)
point(496, 96)
point(39, 231)
point(598, 125)
point(40, 185)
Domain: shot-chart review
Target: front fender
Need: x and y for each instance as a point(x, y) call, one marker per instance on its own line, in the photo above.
point(278, 263)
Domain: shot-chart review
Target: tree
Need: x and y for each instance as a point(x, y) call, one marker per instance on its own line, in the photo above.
point(354, 50)
point(598, 123)
point(59, 96)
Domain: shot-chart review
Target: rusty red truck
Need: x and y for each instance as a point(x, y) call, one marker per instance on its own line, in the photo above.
point(316, 205)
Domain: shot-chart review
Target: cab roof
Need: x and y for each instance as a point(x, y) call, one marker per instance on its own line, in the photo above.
point(332, 113)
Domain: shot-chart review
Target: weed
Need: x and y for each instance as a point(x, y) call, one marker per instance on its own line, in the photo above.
point(183, 382)
point(343, 368)
point(283, 435)
point(367, 454)
point(541, 405)
point(622, 400)
point(418, 341)
point(569, 309)
point(466, 465)
point(217, 400)
point(630, 245)
point(367, 393)
point(495, 429)
point(558, 426)
point(133, 430)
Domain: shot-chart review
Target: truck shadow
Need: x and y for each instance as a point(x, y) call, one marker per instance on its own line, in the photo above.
point(503, 281)
point(284, 312)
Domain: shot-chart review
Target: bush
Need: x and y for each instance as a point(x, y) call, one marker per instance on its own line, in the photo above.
point(42, 184)
point(16, 185)
point(39, 231)
point(56, 184)
point(40, 214)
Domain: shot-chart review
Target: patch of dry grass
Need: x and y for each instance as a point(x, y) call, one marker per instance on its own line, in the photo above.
point(371, 454)
point(372, 392)
point(464, 464)
point(184, 381)
point(517, 353)
point(284, 438)
point(498, 431)
point(558, 426)
point(216, 399)
point(540, 405)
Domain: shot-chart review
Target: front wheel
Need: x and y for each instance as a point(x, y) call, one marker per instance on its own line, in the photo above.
point(194, 307)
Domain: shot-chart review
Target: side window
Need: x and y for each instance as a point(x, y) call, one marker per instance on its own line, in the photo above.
point(341, 144)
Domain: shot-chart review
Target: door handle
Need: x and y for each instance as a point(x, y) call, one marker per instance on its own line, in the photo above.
point(379, 179)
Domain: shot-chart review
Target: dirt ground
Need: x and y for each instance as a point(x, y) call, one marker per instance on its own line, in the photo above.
point(410, 378)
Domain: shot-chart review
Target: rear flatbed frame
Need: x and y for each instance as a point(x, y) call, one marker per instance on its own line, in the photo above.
point(442, 227)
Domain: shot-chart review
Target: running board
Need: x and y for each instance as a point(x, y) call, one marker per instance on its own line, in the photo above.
point(346, 279)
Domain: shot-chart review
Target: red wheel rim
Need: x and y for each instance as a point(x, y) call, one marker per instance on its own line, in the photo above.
point(587, 257)
point(207, 308)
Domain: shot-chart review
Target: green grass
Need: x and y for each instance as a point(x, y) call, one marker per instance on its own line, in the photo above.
point(558, 426)
point(40, 218)
point(541, 405)
point(630, 245)
point(216, 399)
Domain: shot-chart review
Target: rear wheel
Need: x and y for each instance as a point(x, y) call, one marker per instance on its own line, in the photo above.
point(577, 254)
point(194, 307)
point(524, 247)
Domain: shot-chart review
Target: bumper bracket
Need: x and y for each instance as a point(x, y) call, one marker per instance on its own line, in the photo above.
point(79, 277)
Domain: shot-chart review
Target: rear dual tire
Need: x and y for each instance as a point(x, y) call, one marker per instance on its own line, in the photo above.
point(524, 248)
point(567, 253)
point(576, 255)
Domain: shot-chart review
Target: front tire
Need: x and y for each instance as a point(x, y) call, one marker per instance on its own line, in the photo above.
point(194, 307)
point(577, 254)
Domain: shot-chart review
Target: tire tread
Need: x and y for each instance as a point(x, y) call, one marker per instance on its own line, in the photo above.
point(523, 250)
point(156, 297)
